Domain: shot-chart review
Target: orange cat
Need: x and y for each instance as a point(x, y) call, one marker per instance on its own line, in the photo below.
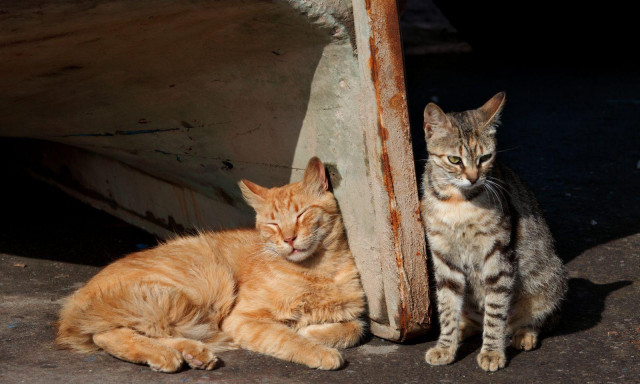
point(289, 289)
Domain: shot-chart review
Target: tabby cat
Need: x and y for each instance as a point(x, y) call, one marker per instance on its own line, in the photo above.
point(288, 288)
point(494, 261)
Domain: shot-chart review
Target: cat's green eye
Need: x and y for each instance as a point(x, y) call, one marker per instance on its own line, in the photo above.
point(454, 159)
point(484, 158)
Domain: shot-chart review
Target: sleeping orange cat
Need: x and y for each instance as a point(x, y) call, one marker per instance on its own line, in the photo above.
point(288, 288)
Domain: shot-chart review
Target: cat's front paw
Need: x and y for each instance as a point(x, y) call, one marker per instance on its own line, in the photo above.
point(167, 361)
point(491, 361)
point(334, 335)
point(329, 359)
point(439, 356)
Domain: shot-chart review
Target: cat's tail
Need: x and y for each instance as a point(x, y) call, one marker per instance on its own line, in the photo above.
point(221, 342)
point(69, 334)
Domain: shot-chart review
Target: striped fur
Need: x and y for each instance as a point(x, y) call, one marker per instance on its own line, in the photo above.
point(494, 262)
point(289, 289)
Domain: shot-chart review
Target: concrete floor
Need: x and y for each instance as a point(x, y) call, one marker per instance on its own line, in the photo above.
point(571, 132)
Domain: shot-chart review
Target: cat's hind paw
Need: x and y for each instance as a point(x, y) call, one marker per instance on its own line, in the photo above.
point(194, 352)
point(200, 357)
point(525, 339)
point(439, 356)
point(491, 361)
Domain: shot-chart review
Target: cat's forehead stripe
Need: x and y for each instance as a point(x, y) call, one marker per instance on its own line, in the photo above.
point(467, 147)
point(475, 144)
point(284, 202)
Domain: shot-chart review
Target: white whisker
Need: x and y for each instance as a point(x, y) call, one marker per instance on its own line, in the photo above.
point(509, 149)
point(494, 192)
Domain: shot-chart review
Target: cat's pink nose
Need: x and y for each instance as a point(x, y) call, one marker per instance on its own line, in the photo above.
point(472, 176)
point(290, 240)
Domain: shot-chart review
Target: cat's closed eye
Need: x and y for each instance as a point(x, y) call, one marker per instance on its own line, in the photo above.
point(273, 226)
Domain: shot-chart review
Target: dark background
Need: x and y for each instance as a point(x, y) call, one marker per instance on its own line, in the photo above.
point(547, 31)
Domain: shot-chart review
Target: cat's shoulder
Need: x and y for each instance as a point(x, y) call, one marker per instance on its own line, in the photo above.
point(240, 237)
point(203, 240)
point(247, 233)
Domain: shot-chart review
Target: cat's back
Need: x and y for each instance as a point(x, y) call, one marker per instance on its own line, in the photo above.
point(180, 254)
point(195, 265)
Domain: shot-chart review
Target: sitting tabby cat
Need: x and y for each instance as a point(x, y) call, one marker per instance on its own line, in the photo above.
point(289, 289)
point(495, 266)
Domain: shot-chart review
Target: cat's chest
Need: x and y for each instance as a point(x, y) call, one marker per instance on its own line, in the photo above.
point(455, 215)
point(459, 229)
point(295, 288)
point(305, 300)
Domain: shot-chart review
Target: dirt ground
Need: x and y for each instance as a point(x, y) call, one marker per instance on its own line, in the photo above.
point(570, 130)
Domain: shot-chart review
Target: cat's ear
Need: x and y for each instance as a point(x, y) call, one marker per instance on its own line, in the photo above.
point(491, 112)
point(436, 122)
point(315, 177)
point(253, 194)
